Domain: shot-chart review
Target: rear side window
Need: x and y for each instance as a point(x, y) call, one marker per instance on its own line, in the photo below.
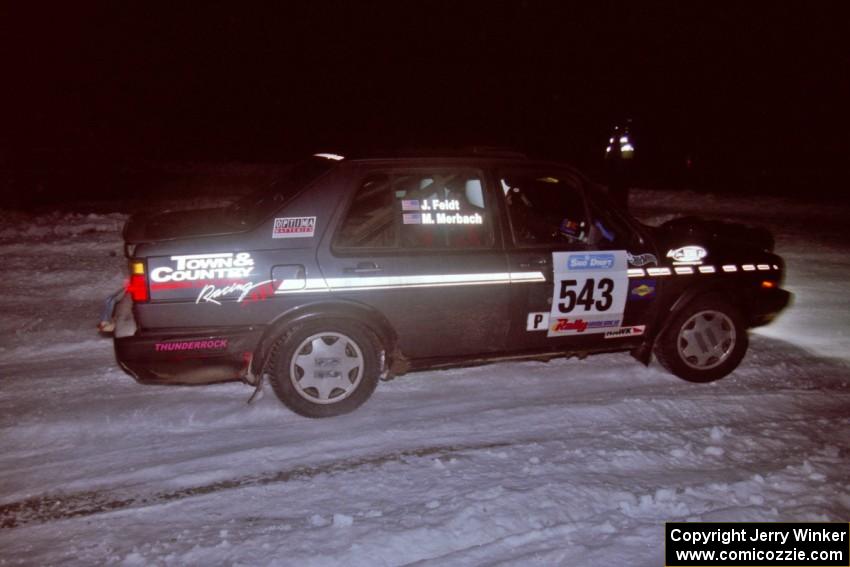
point(253, 208)
point(544, 207)
point(370, 222)
point(418, 211)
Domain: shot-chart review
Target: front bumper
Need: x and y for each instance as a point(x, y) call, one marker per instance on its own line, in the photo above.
point(767, 304)
point(199, 356)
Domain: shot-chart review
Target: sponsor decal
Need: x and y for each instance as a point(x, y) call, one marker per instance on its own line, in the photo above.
point(211, 293)
point(537, 322)
point(687, 254)
point(626, 332)
point(603, 324)
point(641, 260)
point(410, 204)
point(294, 227)
point(590, 261)
point(562, 325)
point(208, 344)
point(226, 265)
point(642, 289)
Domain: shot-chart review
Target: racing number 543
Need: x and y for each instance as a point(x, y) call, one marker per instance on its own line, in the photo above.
point(585, 297)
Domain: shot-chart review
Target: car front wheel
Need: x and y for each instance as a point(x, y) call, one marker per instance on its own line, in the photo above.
point(324, 369)
point(704, 342)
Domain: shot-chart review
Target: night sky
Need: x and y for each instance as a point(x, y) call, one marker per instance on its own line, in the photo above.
point(745, 93)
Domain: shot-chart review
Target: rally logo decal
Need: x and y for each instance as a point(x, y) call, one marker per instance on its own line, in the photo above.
point(211, 293)
point(687, 254)
point(224, 275)
point(294, 227)
point(566, 325)
point(194, 267)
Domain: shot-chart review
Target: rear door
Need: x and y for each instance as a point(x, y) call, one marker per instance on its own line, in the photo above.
point(420, 246)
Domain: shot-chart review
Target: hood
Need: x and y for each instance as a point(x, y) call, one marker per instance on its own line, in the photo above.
point(695, 230)
point(169, 225)
point(713, 235)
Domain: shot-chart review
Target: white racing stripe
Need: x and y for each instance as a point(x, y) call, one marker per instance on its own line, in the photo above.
point(313, 285)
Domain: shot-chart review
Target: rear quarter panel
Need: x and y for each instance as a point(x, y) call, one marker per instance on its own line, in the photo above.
point(230, 280)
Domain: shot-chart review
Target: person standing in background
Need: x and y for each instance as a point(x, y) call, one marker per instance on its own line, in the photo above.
point(619, 158)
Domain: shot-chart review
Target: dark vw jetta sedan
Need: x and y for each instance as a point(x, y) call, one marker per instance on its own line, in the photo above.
point(349, 270)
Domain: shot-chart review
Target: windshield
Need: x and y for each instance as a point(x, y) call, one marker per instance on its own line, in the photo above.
point(263, 202)
point(611, 226)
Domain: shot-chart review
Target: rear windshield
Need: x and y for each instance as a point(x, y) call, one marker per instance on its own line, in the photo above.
point(255, 207)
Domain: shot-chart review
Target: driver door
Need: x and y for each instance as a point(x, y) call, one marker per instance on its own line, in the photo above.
point(568, 265)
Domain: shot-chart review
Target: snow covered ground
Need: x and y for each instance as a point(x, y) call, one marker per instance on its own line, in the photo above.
point(572, 462)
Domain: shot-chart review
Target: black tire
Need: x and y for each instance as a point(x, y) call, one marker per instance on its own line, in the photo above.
point(704, 342)
point(324, 386)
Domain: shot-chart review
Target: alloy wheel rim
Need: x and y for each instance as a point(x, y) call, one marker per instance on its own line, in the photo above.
point(327, 368)
point(706, 340)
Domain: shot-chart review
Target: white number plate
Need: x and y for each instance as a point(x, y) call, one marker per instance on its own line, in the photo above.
point(590, 292)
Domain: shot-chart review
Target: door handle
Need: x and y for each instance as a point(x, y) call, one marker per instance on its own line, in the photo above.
point(363, 268)
point(538, 262)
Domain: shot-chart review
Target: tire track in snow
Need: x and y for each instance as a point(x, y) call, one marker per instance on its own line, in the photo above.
point(48, 508)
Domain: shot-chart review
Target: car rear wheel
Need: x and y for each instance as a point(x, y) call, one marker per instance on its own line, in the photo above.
point(325, 368)
point(704, 342)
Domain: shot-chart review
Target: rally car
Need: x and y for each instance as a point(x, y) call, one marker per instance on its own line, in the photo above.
point(348, 270)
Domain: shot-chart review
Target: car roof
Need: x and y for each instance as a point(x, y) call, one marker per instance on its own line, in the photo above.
point(475, 154)
point(414, 153)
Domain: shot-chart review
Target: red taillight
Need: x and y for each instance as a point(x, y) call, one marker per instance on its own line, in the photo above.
point(137, 287)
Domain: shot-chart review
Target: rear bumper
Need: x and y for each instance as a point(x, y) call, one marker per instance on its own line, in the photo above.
point(767, 304)
point(200, 356)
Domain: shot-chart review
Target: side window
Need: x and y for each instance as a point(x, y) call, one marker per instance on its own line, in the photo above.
point(607, 230)
point(370, 222)
point(418, 210)
point(442, 210)
point(544, 208)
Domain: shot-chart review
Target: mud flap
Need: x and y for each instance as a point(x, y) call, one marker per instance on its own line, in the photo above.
point(125, 323)
point(258, 389)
